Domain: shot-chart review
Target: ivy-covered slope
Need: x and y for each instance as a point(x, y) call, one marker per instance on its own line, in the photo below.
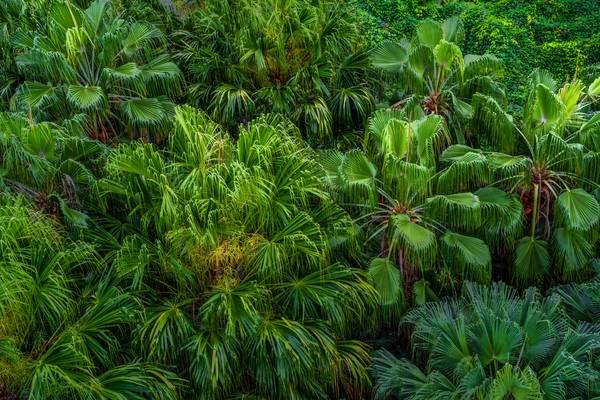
point(558, 35)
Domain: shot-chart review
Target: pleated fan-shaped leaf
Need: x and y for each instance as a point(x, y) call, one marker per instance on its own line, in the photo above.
point(548, 105)
point(387, 280)
point(417, 241)
point(486, 64)
point(502, 216)
point(448, 55)
point(594, 88)
point(125, 72)
point(496, 339)
point(490, 118)
point(515, 384)
point(532, 259)
point(413, 234)
point(407, 177)
point(507, 166)
point(455, 210)
point(432, 136)
point(395, 138)
point(359, 171)
point(573, 251)
point(456, 152)
point(465, 173)
point(35, 94)
point(581, 209)
point(429, 33)
point(144, 111)
point(389, 56)
point(470, 253)
point(86, 97)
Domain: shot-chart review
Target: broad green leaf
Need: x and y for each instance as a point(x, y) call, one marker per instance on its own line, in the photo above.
point(594, 89)
point(386, 279)
point(390, 56)
point(95, 14)
point(138, 37)
point(495, 339)
point(548, 105)
point(35, 94)
point(395, 138)
point(429, 33)
point(453, 29)
point(125, 72)
point(514, 384)
point(532, 259)
point(495, 196)
point(160, 68)
point(420, 58)
point(469, 249)
point(358, 170)
point(581, 209)
point(447, 55)
point(143, 111)
point(412, 234)
point(573, 251)
point(86, 97)
point(456, 152)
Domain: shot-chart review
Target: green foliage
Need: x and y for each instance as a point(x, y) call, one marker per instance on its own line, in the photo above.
point(305, 60)
point(89, 62)
point(153, 250)
point(554, 35)
point(492, 343)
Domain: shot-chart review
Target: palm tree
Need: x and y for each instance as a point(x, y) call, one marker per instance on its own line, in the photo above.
point(431, 71)
point(48, 165)
point(412, 209)
point(92, 62)
point(555, 179)
point(54, 342)
point(299, 58)
point(492, 343)
point(248, 223)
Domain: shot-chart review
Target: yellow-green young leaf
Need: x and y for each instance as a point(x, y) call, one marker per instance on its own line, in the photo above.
point(570, 94)
point(594, 89)
point(429, 33)
point(395, 138)
point(448, 54)
point(549, 106)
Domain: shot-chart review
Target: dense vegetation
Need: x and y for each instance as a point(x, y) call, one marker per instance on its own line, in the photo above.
point(266, 200)
point(550, 34)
